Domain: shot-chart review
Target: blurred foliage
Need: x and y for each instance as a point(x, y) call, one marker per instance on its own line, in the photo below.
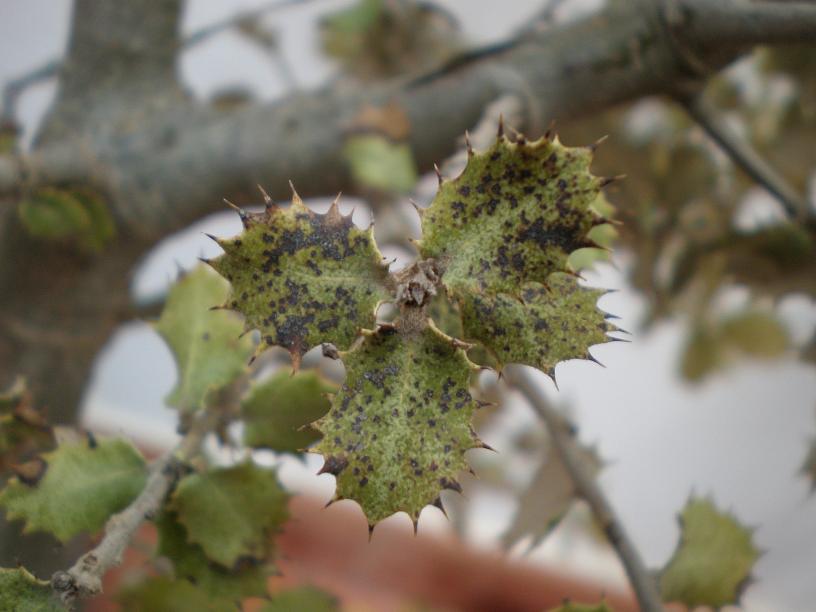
point(373, 39)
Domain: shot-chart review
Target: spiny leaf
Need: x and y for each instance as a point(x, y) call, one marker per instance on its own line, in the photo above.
point(191, 564)
point(22, 592)
point(569, 606)
point(277, 411)
point(162, 594)
point(205, 343)
point(80, 485)
point(399, 426)
point(301, 599)
point(379, 163)
point(231, 512)
point(547, 325)
point(713, 561)
point(514, 215)
point(303, 278)
point(602, 235)
point(548, 498)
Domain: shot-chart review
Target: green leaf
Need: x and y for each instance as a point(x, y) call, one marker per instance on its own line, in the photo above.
point(380, 163)
point(713, 561)
point(702, 354)
point(54, 214)
point(302, 599)
point(513, 216)
point(191, 564)
point(757, 334)
point(83, 484)
point(602, 235)
point(399, 426)
point(303, 278)
point(232, 513)
point(547, 325)
point(22, 592)
point(101, 228)
point(167, 595)
point(204, 342)
point(577, 607)
point(548, 498)
point(277, 411)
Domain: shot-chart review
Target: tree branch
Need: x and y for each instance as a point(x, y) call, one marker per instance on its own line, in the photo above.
point(562, 433)
point(84, 579)
point(744, 155)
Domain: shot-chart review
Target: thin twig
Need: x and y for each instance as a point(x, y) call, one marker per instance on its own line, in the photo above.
point(84, 579)
point(563, 441)
point(744, 155)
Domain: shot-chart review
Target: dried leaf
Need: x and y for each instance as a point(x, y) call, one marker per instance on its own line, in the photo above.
point(83, 484)
point(277, 411)
point(231, 512)
point(204, 342)
point(400, 424)
point(712, 563)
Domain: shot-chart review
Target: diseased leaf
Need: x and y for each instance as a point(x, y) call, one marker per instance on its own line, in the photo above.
point(548, 498)
point(204, 342)
point(400, 424)
point(277, 411)
point(79, 486)
point(231, 512)
point(547, 325)
point(379, 163)
point(22, 592)
point(513, 216)
point(191, 564)
point(162, 594)
point(303, 278)
point(712, 563)
point(301, 599)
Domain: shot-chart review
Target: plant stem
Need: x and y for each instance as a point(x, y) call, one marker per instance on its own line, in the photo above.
point(562, 433)
point(84, 579)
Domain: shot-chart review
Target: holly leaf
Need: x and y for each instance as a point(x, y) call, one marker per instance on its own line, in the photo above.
point(277, 411)
point(303, 278)
point(76, 487)
point(302, 599)
point(191, 564)
point(512, 216)
point(400, 424)
point(547, 325)
point(205, 343)
point(22, 592)
point(163, 594)
point(379, 163)
point(231, 512)
point(548, 498)
point(712, 563)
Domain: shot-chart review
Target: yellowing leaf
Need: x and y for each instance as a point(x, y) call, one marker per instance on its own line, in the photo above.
point(231, 512)
point(277, 411)
point(513, 216)
point(22, 592)
point(304, 278)
point(713, 561)
point(82, 486)
point(379, 163)
point(547, 325)
point(191, 564)
point(204, 342)
point(400, 424)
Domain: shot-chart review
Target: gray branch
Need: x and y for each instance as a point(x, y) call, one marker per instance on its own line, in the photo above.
point(563, 441)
